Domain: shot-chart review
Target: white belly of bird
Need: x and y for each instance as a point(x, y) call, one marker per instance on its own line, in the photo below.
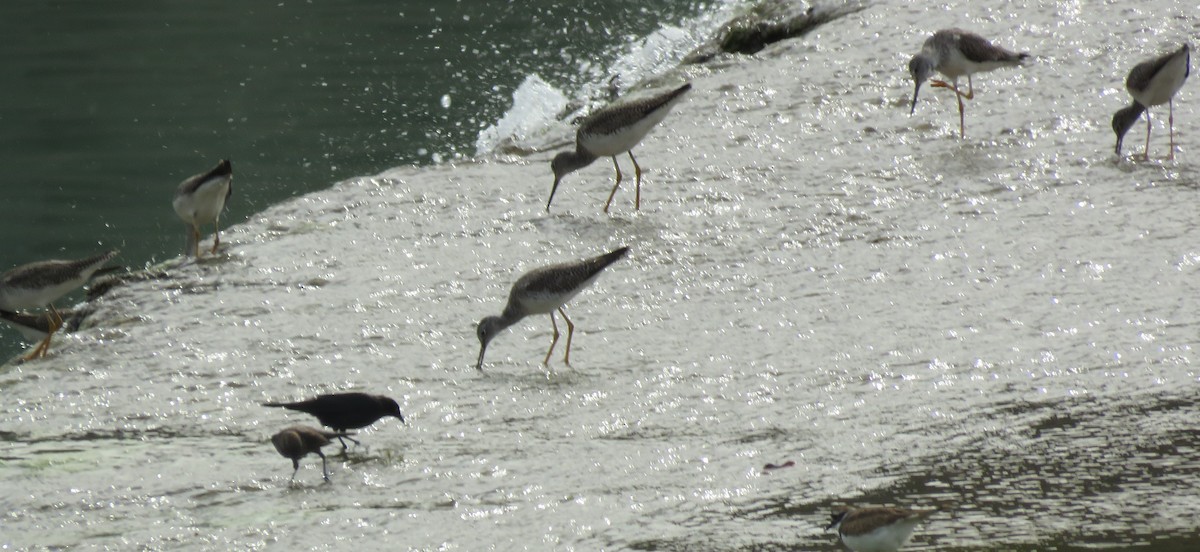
point(546, 303)
point(15, 298)
point(1165, 84)
point(616, 143)
point(888, 538)
point(955, 65)
point(205, 205)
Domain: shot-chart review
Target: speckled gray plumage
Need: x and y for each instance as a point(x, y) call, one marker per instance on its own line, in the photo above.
point(48, 273)
point(615, 118)
point(1141, 74)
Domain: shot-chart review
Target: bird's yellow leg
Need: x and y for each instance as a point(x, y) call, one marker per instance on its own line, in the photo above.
point(614, 190)
point(970, 95)
point(570, 332)
point(553, 341)
point(38, 351)
point(637, 202)
point(54, 318)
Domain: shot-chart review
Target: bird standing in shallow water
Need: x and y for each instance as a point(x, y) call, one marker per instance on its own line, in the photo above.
point(611, 131)
point(297, 441)
point(543, 291)
point(343, 411)
point(200, 200)
point(876, 529)
point(956, 53)
point(40, 284)
point(1153, 82)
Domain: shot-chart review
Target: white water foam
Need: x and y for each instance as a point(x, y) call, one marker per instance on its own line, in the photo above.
point(538, 106)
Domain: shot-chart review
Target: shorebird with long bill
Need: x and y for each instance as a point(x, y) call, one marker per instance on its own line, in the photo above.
point(543, 291)
point(1153, 82)
point(611, 131)
point(957, 53)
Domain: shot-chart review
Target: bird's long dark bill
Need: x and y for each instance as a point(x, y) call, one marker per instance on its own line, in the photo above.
point(914, 104)
point(482, 349)
point(1119, 140)
point(553, 189)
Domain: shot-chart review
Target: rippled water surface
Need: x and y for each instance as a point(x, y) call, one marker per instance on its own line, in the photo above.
point(1000, 327)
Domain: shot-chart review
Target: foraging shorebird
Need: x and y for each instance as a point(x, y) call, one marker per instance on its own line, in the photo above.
point(611, 131)
point(1153, 82)
point(40, 284)
point(876, 529)
point(543, 291)
point(956, 53)
point(200, 200)
point(297, 441)
point(343, 411)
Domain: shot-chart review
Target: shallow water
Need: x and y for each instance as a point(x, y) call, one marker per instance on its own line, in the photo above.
point(999, 327)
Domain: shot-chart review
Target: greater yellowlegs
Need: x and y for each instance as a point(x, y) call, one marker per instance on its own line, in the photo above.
point(40, 284)
point(543, 291)
point(1153, 82)
point(297, 441)
point(956, 53)
point(611, 131)
point(342, 411)
point(876, 529)
point(200, 200)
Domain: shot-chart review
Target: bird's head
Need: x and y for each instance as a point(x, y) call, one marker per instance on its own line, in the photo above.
point(392, 408)
point(838, 515)
point(564, 164)
point(487, 329)
point(921, 68)
point(1123, 120)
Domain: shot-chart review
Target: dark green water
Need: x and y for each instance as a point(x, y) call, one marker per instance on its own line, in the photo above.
point(107, 106)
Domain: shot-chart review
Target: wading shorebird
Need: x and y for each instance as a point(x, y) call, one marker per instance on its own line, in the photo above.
point(40, 284)
point(956, 53)
point(611, 131)
point(543, 291)
point(297, 441)
point(1153, 82)
point(200, 200)
point(876, 529)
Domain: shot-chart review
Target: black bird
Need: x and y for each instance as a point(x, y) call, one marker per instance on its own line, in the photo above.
point(297, 441)
point(343, 411)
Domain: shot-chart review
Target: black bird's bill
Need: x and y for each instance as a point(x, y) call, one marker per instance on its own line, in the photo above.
point(914, 102)
point(482, 349)
point(553, 189)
